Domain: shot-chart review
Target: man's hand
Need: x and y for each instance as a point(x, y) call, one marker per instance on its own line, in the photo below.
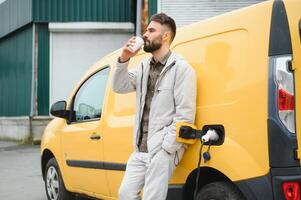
point(126, 52)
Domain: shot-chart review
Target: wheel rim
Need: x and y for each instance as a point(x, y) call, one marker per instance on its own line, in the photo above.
point(52, 183)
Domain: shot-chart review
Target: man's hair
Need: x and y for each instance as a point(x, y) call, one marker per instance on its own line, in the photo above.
point(164, 19)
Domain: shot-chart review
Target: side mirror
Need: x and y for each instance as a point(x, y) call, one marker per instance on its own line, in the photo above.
point(58, 109)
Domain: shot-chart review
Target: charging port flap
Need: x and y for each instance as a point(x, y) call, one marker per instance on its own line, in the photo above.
point(186, 133)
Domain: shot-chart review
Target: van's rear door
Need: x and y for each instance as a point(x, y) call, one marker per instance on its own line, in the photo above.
point(293, 10)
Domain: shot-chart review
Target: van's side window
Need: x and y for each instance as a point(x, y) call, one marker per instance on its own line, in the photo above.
point(89, 99)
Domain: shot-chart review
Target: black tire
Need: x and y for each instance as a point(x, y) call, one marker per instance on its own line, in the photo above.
point(54, 185)
point(219, 191)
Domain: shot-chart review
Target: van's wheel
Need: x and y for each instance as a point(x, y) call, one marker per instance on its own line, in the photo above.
point(54, 185)
point(219, 191)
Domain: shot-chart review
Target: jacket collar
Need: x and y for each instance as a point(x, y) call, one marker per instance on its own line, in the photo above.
point(163, 61)
point(172, 59)
point(170, 62)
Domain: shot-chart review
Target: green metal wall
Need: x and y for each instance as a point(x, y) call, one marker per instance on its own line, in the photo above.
point(152, 7)
point(14, 14)
point(16, 73)
point(43, 69)
point(16, 38)
point(82, 10)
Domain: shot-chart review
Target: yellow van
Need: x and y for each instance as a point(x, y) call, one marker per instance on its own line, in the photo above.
point(248, 65)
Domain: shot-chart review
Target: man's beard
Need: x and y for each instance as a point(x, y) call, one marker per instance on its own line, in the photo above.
point(152, 46)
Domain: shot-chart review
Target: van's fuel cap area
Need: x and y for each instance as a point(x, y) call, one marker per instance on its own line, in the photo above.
point(188, 133)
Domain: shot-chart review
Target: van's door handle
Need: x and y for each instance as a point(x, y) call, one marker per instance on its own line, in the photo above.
point(95, 136)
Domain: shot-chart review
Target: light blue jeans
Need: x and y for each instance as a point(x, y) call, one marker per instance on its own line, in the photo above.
point(151, 172)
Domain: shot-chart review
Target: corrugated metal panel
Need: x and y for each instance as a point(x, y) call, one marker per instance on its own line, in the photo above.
point(16, 72)
point(14, 14)
point(189, 11)
point(152, 7)
point(17, 13)
point(82, 10)
point(43, 69)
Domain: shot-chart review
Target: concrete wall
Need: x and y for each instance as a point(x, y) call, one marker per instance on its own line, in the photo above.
point(23, 129)
point(14, 128)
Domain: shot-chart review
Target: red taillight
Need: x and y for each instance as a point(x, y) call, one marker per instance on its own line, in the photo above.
point(286, 101)
point(291, 190)
point(284, 78)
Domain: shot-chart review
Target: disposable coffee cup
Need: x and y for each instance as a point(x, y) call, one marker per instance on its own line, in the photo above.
point(138, 43)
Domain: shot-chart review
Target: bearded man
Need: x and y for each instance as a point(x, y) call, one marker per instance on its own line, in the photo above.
point(165, 86)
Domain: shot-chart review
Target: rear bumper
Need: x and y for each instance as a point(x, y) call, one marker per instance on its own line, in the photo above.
point(256, 188)
point(281, 175)
point(269, 187)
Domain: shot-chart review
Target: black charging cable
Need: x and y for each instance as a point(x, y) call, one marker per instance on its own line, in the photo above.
point(206, 157)
point(198, 172)
point(188, 132)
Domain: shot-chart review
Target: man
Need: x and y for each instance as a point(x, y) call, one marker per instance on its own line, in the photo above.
point(165, 86)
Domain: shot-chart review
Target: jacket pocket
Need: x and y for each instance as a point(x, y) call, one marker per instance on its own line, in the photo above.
point(155, 141)
point(163, 103)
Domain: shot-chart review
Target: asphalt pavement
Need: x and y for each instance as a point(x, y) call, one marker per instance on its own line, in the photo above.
point(20, 172)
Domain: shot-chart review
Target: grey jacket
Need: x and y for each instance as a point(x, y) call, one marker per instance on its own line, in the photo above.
point(174, 99)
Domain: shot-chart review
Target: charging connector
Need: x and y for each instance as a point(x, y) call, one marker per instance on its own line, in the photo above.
point(210, 136)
